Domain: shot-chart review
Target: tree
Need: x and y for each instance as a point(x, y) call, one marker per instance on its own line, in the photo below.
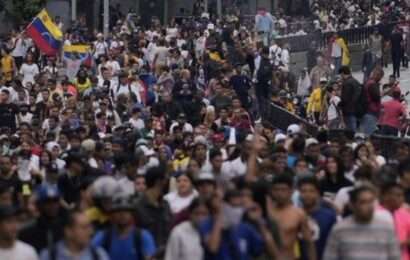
point(21, 11)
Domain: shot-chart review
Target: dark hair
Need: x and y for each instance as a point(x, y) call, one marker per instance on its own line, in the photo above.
point(364, 172)
point(298, 145)
point(404, 167)
point(356, 192)
point(283, 179)
point(197, 202)
point(340, 168)
point(309, 181)
point(345, 70)
point(214, 152)
point(356, 150)
point(68, 219)
point(389, 186)
point(154, 175)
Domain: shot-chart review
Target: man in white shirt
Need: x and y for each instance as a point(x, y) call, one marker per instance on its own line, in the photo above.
point(100, 46)
point(336, 53)
point(124, 87)
point(10, 247)
point(19, 49)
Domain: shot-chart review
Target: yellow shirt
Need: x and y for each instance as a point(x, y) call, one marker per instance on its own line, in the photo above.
point(83, 87)
point(315, 101)
point(7, 66)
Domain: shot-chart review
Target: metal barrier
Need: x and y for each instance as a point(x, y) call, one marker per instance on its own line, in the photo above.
point(281, 118)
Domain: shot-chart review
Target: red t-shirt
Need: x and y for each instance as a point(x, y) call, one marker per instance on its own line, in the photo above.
point(391, 112)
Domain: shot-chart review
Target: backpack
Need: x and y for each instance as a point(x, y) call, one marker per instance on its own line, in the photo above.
point(107, 240)
point(53, 253)
point(362, 102)
point(132, 94)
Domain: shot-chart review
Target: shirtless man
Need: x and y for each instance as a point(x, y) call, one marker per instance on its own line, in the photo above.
point(291, 220)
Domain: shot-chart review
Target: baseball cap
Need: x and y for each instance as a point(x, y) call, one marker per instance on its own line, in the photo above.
point(205, 177)
point(293, 129)
point(311, 141)
point(280, 137)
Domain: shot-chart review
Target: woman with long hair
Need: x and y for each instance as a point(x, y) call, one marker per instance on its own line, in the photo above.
point(333, 178)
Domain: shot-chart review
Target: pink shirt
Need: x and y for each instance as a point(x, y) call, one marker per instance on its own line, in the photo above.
point(391, 112)
point(402, 227)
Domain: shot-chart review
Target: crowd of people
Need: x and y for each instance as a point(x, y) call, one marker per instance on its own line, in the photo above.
point(158, 148)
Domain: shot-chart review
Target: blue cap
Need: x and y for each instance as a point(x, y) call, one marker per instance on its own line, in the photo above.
point(47, 192)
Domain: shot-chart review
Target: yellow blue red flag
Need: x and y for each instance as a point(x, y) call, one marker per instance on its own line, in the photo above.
point(45, 33)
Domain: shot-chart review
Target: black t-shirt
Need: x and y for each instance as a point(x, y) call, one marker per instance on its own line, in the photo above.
point(8, 114)
point(396, 39)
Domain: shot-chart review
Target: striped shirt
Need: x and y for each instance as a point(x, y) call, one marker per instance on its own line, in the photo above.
point(350, 240)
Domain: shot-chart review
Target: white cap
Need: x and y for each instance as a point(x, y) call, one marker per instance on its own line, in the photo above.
point(51, 145)
point(323, 79)
point(210, 26)
point(280, 137)
point(311, 141)
point(293, 129)
point(205, 176)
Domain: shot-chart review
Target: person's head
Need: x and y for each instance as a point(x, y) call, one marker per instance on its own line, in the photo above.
point(48, 201)
point(309, 190)
point(45, 158)
point(377, 74)
point(9, 225)
point(77, 229)
point(345, 72)
point(391, 195)
point(199, 211)
point(333, 166)
point(122, 212)
point(301, 167)
point(361, 152)
point(4, 96)
point(6, 195)
point(139, 183)
point(5, 165)
point(155, 178)
point(200, 152)
point(74, 163)
point(215, 157)
point(281, 189)
point(184, 184)
point(206, 185)
point(362, 203)
point(193, 167)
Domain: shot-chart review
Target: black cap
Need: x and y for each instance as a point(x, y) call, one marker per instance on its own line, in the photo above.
point(345, 70)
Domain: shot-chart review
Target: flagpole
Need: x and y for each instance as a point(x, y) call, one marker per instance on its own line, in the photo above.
point(32, 20)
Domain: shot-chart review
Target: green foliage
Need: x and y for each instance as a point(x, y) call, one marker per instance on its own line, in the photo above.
point(24, 10)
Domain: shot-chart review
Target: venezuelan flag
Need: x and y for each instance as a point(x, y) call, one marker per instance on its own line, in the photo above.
point(45, 34)
point(78, 52)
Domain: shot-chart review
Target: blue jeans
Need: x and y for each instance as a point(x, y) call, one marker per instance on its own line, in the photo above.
point(351, 122)
point(368, 124)
point(338, 63)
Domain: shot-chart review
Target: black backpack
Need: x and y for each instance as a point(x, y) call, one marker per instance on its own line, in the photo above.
point(107, 240)
point(53, 253)
point(362, 102)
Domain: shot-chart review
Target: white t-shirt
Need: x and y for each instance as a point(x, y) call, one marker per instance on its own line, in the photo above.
point(20, 251)
point(113, 66)
point(161, 53)
point(100, 48)
point(137, 123)
point(178, 203)
point(184, 243)
point(20, 48)
point(29, 72)
point(336, 50)
point(332, 110)
point(234, 168)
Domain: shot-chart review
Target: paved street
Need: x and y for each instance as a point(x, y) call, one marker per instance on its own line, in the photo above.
point(404, 79)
